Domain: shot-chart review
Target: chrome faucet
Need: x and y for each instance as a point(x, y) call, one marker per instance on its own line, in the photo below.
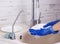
point(33, 12)
point(33, 9)
point(12, 34)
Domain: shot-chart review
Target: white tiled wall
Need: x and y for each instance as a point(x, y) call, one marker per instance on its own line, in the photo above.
point(10, 8)
point(49, 10)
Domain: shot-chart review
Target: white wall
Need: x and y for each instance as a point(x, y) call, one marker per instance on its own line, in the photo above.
point(10, 8)
point(49, 10)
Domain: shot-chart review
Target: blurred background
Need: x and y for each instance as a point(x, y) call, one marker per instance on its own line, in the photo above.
point(9, 9)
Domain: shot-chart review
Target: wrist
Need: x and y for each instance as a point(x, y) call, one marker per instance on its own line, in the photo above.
point(56, 27)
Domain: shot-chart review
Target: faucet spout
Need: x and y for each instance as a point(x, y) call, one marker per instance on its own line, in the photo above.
point(12, 34)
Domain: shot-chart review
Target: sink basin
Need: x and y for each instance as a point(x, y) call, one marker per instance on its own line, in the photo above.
point(17, 28)
point(9, 28)
point(48, 39)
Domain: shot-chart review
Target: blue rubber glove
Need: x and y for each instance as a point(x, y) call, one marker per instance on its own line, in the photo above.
point(43, 31)
point(51, 23)
point(47, 29)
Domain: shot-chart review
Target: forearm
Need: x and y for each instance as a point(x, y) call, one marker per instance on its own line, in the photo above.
point(56, 27)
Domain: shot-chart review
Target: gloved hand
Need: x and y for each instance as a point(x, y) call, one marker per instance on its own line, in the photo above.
point(51, 23)
point(47, 29)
